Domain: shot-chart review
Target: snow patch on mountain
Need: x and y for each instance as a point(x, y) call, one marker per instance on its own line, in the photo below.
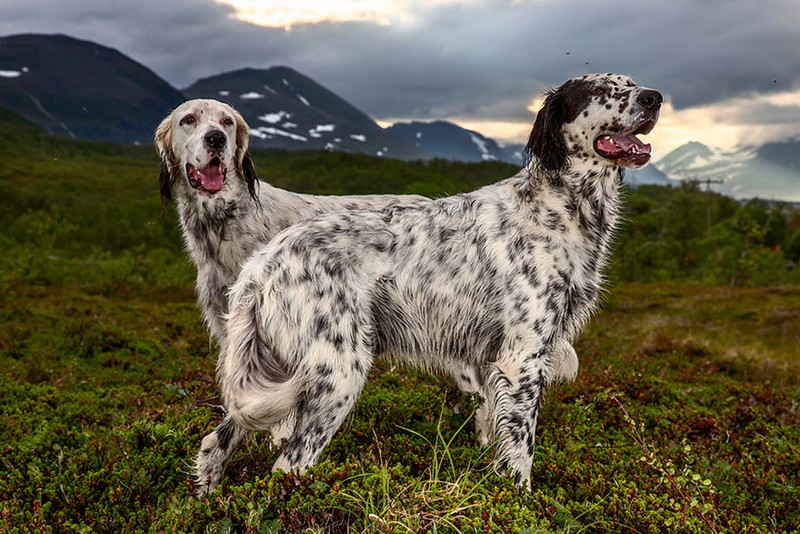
point(481, 144)
point(269, 132)
point(275, 118)
point(10, 73)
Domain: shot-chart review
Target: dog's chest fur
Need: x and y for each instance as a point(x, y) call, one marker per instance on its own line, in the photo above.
point(221, 232)
point(533, 250)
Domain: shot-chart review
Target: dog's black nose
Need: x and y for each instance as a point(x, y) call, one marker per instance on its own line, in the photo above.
point(651, 99)
point(214, 140)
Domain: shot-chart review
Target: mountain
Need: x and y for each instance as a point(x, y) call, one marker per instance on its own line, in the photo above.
point(446, 140)
point(514, 152)
point(648, 175)
point(697, 161)
point(770, 171)
point(288, 110)
point(82, 89)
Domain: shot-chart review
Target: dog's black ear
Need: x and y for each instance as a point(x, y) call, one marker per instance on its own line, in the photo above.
point(243, 159)
point(163, 140)
point(165, 187)
point(546, 142)
point(249, 174)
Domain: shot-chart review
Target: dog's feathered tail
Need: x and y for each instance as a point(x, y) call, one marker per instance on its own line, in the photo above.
point(257, 389)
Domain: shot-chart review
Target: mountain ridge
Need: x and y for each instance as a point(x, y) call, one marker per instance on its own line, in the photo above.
point(41, 85)
point(447, 140)
point(114, 98)
point(770, 171)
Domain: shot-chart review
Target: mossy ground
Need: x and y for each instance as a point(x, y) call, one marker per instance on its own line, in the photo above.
point(684, 418)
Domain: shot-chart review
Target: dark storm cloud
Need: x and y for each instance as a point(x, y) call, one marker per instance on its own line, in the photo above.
point(479, 60)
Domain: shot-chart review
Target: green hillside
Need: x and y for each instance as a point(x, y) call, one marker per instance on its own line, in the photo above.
point(684, 416)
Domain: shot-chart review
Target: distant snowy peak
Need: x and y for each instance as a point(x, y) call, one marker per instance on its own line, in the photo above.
point(770, 171)
point(442, 139)
point(696, 161)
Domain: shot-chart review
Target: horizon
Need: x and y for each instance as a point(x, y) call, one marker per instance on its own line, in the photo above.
point(729, 72)
point(503, 133)
point(690, 124)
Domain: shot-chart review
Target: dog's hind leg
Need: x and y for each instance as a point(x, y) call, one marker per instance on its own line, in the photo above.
point(215, 450)
point(469, 380)
point(516, 386)
point(281, 432)
point(333, 390)
point(564, 364)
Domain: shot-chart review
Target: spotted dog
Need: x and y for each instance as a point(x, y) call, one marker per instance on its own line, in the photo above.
point(226, 213)
point(494, 282)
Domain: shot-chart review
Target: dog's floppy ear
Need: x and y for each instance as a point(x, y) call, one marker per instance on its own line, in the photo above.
point(165, 188)
point(249, 174)
point(546, 142)
point(244, 162)
point(163, 139)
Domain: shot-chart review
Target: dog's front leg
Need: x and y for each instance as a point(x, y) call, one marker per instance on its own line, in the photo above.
point(516, 386)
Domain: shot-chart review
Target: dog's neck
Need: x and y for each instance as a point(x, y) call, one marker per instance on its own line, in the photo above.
point(219, 232)
point(589, 195)
point(205, 219)
point(597, 194)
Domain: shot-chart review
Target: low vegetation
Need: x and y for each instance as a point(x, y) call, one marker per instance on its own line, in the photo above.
point(684, 416)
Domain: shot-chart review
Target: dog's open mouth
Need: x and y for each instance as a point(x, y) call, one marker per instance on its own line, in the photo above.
point(626, 149)
point(209, 178)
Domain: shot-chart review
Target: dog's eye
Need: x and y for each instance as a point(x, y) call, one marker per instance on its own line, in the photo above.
point(187, 120)
point(227, 121)
point(599, 90)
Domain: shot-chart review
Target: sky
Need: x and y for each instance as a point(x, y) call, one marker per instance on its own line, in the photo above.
point(729, 69)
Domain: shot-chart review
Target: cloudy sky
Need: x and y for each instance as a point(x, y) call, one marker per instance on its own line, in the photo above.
point(729, 69)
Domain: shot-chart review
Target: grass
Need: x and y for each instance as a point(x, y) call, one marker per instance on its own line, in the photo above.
point(667, 428)
point(684, 416)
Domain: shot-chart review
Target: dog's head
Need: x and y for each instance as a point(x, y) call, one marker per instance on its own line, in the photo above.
point(201, 142)
point(595, 118)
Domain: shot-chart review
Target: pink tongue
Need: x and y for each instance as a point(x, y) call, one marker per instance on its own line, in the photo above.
point(211, 178)
point(622, 143)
